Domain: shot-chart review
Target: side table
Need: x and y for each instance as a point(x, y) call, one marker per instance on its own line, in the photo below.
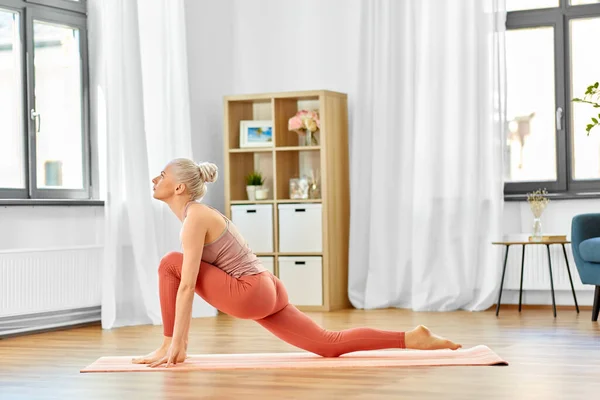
point(524, 243)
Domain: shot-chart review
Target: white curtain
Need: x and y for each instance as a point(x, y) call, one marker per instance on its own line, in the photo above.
point(426, 173)
point(139, 92)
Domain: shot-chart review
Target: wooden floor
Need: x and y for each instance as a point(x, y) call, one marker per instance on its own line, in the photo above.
point(549, 359)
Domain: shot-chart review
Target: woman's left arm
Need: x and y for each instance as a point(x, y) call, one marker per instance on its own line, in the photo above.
point(193, 238)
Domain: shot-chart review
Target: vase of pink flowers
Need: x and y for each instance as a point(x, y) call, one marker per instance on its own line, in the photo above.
point(306, 124)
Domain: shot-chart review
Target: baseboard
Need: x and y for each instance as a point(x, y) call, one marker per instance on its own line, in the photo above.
point(34, 323)
point(340, 307)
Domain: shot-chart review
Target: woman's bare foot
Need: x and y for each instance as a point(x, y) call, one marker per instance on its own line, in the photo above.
point(158, 354)
point(421, 338)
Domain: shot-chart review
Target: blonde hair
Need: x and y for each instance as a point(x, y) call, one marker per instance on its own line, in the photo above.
point(194, 176)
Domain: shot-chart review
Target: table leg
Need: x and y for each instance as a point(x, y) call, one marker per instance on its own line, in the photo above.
point(570, 279)
point(502, 281)
point(522, 268)
point(551, 280)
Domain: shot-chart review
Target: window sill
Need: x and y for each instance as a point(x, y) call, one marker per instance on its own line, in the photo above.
point(556, 196)
point(50, 202)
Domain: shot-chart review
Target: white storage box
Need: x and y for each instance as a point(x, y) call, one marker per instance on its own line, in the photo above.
point(300, 228)
point(303, 279)
point(268, 263)
point(255, 223)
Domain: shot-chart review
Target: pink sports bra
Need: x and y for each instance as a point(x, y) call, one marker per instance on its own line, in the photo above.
point(230, 251)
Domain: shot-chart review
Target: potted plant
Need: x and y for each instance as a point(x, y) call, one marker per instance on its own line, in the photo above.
point(592, 97)
point(538, 201)
point(254, 186)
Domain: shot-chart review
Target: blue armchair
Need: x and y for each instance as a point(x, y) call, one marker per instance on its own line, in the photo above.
point(585, 245)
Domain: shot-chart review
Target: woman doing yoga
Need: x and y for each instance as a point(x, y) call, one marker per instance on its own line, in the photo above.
point(218, 264)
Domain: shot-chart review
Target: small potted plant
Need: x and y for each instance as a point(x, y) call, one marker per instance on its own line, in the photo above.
point(254, 186)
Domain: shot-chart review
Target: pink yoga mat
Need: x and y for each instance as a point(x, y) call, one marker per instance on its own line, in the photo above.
point(478, 355)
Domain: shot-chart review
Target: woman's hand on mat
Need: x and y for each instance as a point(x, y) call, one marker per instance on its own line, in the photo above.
point(175, 354)
point(156, 354)
point(151, 357)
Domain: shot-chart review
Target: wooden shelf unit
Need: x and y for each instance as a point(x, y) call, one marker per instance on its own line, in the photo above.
point(285, 160)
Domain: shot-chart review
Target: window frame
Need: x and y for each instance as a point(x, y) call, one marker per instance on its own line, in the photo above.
point(574, 13)
point(20, 193)
point(48, 10)
point(559, 18)
point(79, 22)
point(79, 6)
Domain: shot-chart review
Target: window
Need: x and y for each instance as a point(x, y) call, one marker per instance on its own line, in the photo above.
point(44, 117)
point(551, 59)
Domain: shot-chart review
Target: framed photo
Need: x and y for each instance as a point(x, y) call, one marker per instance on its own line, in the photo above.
point(256, 134)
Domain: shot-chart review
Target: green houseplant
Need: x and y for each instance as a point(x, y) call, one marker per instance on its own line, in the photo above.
point(592, 97)
point(254, 186)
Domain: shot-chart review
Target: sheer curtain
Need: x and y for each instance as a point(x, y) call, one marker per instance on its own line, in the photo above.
point(140, 94)
point(427, 190)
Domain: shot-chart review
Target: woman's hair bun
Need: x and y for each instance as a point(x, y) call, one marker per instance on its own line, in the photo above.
point(208, 172)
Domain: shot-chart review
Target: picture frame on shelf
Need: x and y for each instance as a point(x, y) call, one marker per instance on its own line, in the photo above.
point(255, 134)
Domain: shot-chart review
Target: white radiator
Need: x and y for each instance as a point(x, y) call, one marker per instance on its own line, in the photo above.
point(40, 288)
point(536, 274)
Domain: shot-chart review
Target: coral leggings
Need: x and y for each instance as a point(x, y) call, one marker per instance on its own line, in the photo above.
point(263, 298)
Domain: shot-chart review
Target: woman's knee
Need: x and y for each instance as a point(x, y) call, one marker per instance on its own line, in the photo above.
point(172, 259)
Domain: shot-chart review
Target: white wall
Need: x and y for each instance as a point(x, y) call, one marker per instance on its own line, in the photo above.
point(41, 227)
point(310, 45)
point(209, 28)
